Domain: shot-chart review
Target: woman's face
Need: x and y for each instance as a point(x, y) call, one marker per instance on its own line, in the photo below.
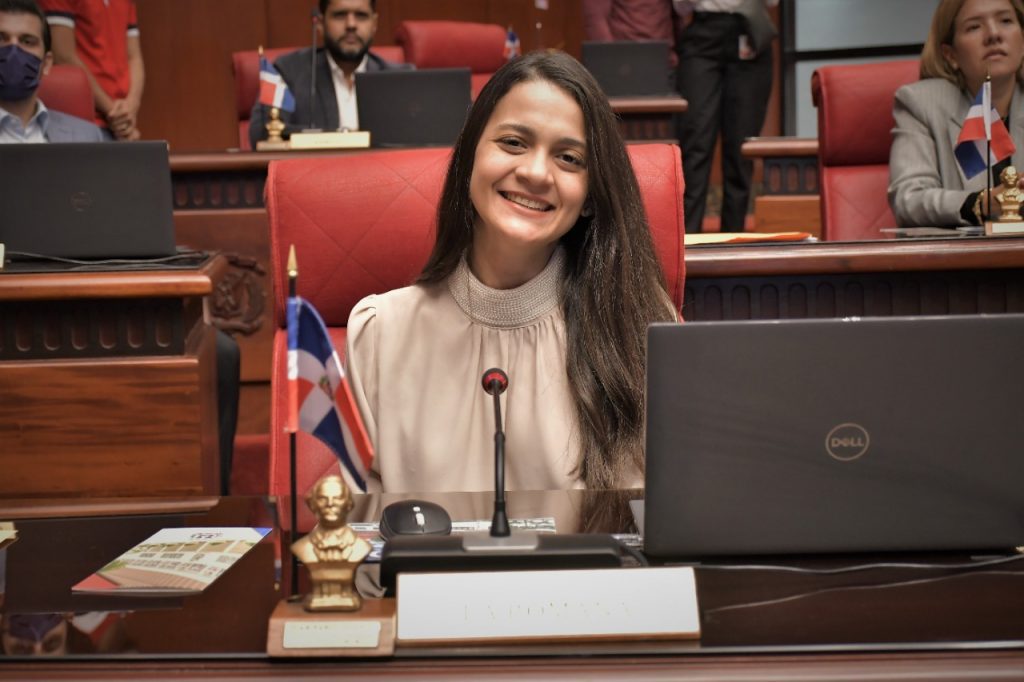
point(987, 39)
point(529, 178)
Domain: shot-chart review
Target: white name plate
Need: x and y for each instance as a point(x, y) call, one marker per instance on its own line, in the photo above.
point(627, 603)
point(352, 139)
point(326, 634)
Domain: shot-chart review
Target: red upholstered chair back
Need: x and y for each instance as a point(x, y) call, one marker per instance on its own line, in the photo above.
point(66, 89)
point(364, 224)
point(854, 135)
point(446, 44)
point(246, 65)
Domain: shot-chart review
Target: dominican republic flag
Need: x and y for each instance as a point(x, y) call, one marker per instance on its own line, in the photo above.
point(512, 49)
point(274, 91)
point(320, 400)
point(982, 124)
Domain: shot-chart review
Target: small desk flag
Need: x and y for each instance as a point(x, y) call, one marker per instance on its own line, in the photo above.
point(981, 125)
point(274, 91)
point(512, 47)
point(319, 396)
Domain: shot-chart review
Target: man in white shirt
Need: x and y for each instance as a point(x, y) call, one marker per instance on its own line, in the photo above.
point(348, 28)
point(25, 57)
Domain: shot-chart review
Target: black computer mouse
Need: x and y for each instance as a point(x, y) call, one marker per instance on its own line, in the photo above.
point(414, 517)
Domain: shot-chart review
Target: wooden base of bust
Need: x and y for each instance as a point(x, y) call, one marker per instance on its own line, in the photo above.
point(295, 632)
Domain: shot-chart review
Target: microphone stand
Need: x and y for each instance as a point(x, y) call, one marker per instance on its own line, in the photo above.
point(312, 70)
point(499, 523)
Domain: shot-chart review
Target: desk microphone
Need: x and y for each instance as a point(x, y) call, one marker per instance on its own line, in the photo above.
point(499, 550)
point(314, 14)
point(495, 382)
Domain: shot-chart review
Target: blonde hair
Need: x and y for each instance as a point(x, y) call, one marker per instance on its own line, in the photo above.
point(933, 63)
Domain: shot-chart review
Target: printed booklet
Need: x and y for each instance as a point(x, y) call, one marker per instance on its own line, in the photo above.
point(174, 561)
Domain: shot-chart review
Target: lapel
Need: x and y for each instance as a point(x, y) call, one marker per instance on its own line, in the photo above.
point(327, 101)
point(57, 131)
point(1017, 126)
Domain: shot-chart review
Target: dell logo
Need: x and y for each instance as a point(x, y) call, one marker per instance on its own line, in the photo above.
point(847, 442)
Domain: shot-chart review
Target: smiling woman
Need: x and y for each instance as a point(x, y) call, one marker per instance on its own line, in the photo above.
point(969, 40)
point(543, 265)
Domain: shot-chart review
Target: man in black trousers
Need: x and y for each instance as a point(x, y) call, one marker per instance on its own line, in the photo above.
point(725, 74)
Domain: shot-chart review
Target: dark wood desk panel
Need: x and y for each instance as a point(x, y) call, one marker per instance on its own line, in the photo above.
point(964, 626)
point(107, 383)
point(891, 277)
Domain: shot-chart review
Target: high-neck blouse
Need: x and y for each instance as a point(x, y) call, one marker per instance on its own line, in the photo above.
point(415, 359)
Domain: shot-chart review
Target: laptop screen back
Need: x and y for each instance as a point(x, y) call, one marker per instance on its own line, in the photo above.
point(87, 200)
point(807, 436)
point(629, 68)
point(422, 108)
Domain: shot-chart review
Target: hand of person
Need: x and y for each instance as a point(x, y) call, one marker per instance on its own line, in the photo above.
point(121, 118)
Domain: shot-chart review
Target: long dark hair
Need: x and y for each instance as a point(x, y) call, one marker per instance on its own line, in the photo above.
point(613, 285)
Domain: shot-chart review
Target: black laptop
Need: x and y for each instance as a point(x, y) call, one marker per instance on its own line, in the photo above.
point(840, 435)
point(86, 200)
point(629, 68)
point(416, 108)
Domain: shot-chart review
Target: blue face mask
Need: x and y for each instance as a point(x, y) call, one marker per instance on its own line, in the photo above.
point(19, 73)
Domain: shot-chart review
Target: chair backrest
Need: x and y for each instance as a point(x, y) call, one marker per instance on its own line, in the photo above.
point(246, 66)
point(66, 89)
point(364, 224)
point(445, 44)
point(855, 125)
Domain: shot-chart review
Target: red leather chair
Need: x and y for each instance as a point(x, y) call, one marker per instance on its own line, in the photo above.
point(66, 89)
point(446, 44)
point(854, 135)
point(246, 66)
point(363, 224)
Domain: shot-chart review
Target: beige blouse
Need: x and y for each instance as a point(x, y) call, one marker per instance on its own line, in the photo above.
point(415, 361)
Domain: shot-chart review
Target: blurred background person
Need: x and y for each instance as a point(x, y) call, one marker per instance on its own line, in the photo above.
point(725, 74)
point(103, 38)
point(968, 40)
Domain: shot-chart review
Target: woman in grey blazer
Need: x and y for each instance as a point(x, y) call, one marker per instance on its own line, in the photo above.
point(968, 39)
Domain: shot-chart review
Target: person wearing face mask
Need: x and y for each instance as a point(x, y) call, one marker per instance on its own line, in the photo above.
point(969, 39)
point(348, 28)
point(25, 58)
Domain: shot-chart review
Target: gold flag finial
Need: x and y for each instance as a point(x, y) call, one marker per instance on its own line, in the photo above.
point(293, 264)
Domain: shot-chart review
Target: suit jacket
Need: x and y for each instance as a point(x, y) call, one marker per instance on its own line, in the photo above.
point(926, 185)
point(294, 68)
point(66, 128)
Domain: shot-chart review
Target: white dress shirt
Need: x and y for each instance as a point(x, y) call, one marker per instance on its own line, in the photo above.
point(11, 129)
point(345, 91)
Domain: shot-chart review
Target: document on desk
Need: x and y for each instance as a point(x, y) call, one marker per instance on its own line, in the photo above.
point(174, 561)
point(540, 606)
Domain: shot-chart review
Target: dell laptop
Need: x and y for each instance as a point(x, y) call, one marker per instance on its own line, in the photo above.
point(86, 200)
point(421, 108)
point(835, 435)
point(629, 68)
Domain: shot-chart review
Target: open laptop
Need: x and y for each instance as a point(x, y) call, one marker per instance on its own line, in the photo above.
point(855, 435)
point(86, 200)
point(420, 108)
point(629, 68)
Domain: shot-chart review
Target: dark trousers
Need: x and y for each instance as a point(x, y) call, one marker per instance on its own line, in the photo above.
point(725, 94)
point(228, 370)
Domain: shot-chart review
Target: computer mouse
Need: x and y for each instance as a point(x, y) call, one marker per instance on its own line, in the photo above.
point(414, 517)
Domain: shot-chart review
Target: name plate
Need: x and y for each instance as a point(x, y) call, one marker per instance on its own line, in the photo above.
point(522, 606)
point(997, 228)
point(352, 139)
point(326, 634)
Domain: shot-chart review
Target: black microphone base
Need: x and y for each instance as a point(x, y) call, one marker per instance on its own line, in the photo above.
point(520, 551)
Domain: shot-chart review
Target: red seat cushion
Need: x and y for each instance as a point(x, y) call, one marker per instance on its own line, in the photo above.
point(66, 89)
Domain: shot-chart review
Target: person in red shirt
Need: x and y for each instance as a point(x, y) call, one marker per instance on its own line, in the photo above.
point(102, 36)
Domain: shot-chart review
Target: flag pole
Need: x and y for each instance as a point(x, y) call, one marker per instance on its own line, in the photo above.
point(988, 143)
point(293, 277)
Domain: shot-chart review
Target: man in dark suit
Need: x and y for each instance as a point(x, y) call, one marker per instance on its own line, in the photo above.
point(347, 28)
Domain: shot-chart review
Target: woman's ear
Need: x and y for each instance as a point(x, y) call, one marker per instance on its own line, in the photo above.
point(587, 210)
point(949, 54)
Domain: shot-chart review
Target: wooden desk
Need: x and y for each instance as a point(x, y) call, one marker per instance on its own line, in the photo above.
point(643, 119)
point(789, 198)
point(834, 279)
point(107, 383)
point(884, 624)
